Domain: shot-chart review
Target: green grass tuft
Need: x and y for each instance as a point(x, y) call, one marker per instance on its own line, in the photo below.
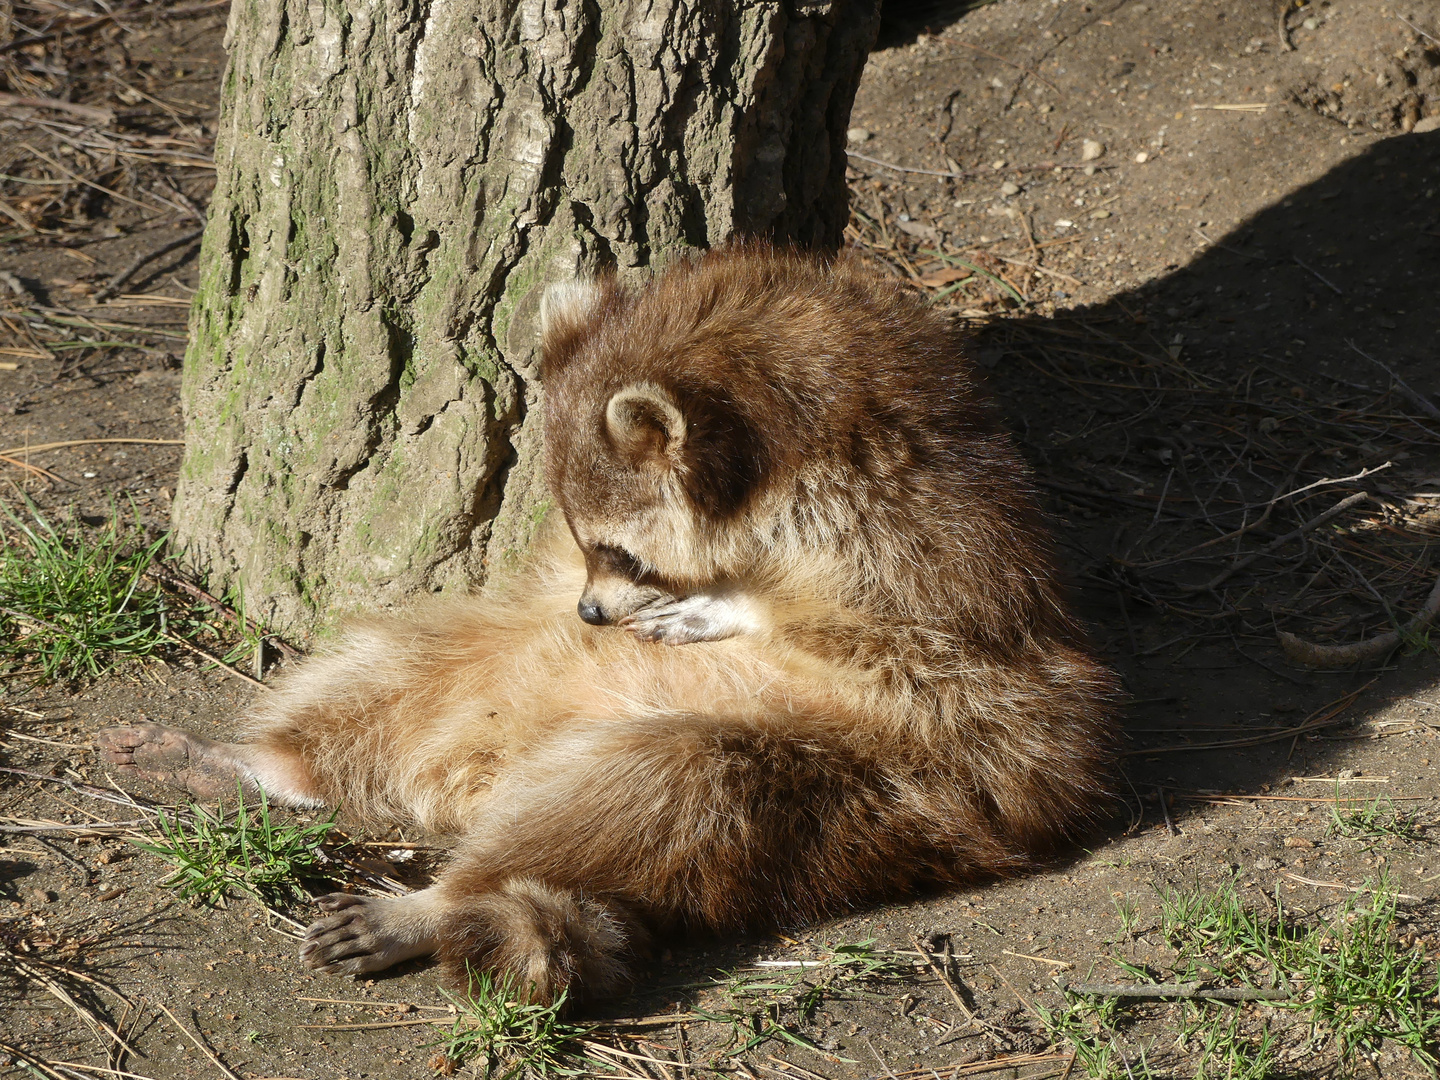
point(503, 1036)
point(252, 853)
point(1088, 1025)
point(1377, 821)
point(73, 603)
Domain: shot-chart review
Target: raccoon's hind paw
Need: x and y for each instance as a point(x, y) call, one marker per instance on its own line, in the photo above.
point(544, 942)
point(700, 617)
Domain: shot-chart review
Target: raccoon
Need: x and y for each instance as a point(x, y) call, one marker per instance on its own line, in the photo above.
point(821, 655)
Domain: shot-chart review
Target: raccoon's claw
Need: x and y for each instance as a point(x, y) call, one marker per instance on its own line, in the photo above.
point(701, 617)
point(361, 933)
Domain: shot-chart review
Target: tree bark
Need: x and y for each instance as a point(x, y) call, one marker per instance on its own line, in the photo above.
point(397, 181)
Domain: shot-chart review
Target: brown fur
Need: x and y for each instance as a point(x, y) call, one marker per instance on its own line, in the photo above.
point(848, 671)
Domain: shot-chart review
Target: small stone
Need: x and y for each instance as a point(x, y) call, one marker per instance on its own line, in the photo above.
point(857, 135)
point(1064, 223)
point(1089, 170)
point(1430, 123)
point(110, 894)
point(1099, 215)
point(1298, 842)
point(1141, 158)
point(998, 83)
point(1311, 23)
point(1090, 150)
point(918, 229)
point(1009, 188)
point(998, 165)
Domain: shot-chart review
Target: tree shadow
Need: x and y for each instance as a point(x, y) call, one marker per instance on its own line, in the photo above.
point(901, 21)
point(1191, 435)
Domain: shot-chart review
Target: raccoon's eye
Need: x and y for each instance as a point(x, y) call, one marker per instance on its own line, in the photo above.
point(618, 561)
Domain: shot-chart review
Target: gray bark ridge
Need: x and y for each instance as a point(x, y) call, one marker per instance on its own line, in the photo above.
point(396, 183)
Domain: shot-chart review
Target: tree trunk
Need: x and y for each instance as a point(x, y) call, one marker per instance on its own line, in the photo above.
point(397, 181)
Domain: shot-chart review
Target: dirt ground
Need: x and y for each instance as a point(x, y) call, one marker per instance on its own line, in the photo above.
point(1198, 243)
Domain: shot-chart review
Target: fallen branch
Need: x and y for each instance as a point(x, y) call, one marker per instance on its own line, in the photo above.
point(101, 1029)
point(87, 442)
point(1179, 991)
point(1337, 656)
point(1347, 888)
point(221, 664)
point(198, 1043)
point(175, 581)
point(1286, 45)
point(1325, 716)
point(1421, 402)
point(1275, 545)
point(44, 474)
point(944, 977)
point(103, 117)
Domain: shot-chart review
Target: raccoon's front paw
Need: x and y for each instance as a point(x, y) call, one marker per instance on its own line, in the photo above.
point(166, 755)
point(701, 617)
point(364, 933)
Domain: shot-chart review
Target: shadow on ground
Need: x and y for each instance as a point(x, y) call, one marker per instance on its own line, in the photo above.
point(1191, 431)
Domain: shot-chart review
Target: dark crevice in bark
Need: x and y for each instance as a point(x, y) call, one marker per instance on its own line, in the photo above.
point(282, 32)
point(241, 468)
point(310, 378)
point(238, 249)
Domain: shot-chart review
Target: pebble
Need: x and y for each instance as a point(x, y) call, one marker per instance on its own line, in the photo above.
point(857, 135)
point(1311, 24)
point(1099, 215)
point(998, 165)
point(1430, 123)
point(1090, 150)
point(1089, 170)
point(1141, 158)
point(1064, 223)
point(1009, 187)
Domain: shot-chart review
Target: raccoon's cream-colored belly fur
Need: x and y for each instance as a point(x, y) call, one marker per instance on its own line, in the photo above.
point(415, 717)
point(793, 641)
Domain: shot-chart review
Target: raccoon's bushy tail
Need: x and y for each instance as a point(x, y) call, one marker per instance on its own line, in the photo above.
point(698, 821)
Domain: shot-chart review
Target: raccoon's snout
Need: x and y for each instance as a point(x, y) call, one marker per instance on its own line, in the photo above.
point(606, 601)
point(592, 613)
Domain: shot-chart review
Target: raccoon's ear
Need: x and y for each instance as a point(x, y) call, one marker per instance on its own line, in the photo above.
point(645, 424)
point(568, 303)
